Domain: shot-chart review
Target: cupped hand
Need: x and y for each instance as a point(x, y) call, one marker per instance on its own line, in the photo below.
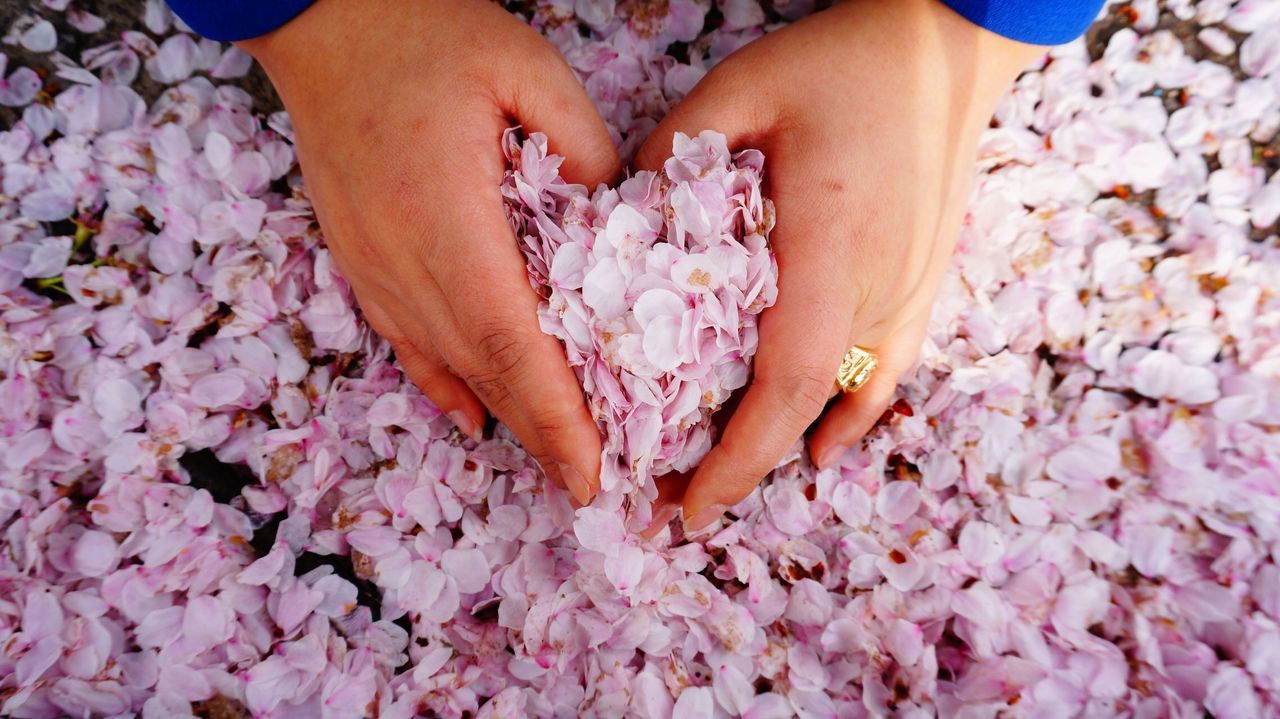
point(869, 115)
point(398, 109)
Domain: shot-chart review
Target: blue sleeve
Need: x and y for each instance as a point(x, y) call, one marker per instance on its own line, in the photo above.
point(1037, 22)
point(227, 20)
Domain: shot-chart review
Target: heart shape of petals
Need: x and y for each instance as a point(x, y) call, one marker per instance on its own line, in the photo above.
point(654, 287)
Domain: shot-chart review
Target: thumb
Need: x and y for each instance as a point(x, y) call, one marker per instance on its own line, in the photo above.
point(555, 103)
point(711, 105)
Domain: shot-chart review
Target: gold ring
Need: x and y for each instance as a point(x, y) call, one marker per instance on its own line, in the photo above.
point(855, 369)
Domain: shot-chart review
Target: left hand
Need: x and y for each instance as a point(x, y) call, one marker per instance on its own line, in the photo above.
point(868, 114)
point(398, 110)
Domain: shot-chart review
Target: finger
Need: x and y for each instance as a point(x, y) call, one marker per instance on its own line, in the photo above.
point(670, 490)
point(427, 370)
point(711, 105)
point(794, 369)
point(553, 101)
point(855, 413)
point(523, 377)
point(502, 353)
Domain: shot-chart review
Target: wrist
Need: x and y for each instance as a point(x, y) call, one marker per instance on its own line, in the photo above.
point(305, 33)
point(306, 56)
point(961, 62)
point(270, 49)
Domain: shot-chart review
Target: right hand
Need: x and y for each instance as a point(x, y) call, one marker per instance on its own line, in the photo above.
point(869, 166)
point(398, 109)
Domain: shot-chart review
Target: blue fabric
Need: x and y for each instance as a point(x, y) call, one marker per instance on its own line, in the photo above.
point(1037, 22)
point(227, 20)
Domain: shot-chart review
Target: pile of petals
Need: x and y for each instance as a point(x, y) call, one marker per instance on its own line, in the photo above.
point(219, 495)
point(654, 288)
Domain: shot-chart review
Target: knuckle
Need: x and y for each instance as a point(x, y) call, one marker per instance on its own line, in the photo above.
point(549, 423)
point(491, 389)
point(496, 363)
point(501, 348)
point(486, 381)
point(802, 392)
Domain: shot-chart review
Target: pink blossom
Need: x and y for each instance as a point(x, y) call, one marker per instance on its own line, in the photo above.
point(213, 477)
point(897, 501)
point(20, 87)
point(1151, 548)
point(1231, 694)
point(95, 553)
point(693, 703)
point(659, 316)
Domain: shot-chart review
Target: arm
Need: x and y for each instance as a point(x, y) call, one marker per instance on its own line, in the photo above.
point(230, 20)
point(1038, 22)
point(1035, 22)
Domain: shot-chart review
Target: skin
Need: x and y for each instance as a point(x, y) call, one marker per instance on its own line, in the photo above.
point(399, 145)
point(869, 164)
point(868, 113)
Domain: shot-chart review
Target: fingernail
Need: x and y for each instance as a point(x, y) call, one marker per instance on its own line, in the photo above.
point(575, 483)
point(831, 455)
point(465, 424)
point(704, 517)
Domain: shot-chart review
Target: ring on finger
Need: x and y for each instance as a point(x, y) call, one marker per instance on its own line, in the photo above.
point(855, 369)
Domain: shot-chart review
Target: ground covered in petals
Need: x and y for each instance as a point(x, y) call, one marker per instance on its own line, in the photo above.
point(220, 497)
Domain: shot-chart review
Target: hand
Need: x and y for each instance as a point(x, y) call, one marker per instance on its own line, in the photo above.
point(398, 109)
point(869, 115)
